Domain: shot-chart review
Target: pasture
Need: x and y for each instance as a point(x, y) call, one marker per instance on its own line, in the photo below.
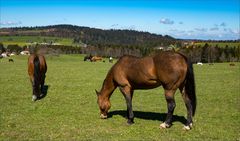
point(27, 40)
point(219, 44)
point(70, 111)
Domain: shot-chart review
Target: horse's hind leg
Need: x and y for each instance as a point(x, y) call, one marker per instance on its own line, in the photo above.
point(169, 95)
point(128, 93)
point(42, 86)
point(187, 101)
point(34, 94)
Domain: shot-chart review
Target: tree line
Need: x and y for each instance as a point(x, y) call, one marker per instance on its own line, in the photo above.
point(116, 43)
point(205, 54)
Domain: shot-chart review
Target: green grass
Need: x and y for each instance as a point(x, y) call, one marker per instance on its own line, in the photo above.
point(220, 44)
point(26, 40)
point(70, 110)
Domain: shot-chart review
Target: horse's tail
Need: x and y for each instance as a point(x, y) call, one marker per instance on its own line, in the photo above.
point(36, 70)
point(190, 87)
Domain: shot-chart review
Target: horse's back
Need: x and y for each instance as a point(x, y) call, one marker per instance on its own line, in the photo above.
point(166, 68)
point(135, 71)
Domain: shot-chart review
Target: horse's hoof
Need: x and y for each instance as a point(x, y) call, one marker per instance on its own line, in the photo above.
point(130, 122)
point(164, 125)
point(186, 128)
point(102, 116)
point(34, 98)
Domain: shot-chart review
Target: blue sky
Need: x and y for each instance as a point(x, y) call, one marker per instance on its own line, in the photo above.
point(186, 19)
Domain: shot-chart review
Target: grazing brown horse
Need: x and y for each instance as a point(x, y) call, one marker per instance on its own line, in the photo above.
point(37, 69)
point(96, 58)
point(171, 70)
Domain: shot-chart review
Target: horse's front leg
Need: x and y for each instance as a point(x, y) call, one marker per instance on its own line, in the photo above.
point(35, 92)
point(169, 95)
point(128, 93)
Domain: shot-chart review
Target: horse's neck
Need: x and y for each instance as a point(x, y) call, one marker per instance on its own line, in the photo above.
point(108, 86)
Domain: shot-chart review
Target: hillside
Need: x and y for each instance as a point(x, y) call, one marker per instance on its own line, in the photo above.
point(94, 36)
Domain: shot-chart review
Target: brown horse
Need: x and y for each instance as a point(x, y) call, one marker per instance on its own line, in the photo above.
point(37, 69)
point(96, 58)
point(171, 70)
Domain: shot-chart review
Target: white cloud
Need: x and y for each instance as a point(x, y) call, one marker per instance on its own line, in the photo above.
point(166, 21)
point(9, 23)
point(131, 27)
point(117, 26)
point(231, 31)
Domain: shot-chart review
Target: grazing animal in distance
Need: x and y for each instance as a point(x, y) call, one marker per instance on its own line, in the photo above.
point(96, 58)
point(37, 69)
point(110, 60)
point(88, 58)
point(168, 69)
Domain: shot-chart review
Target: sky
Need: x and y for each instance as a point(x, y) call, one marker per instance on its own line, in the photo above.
point(184, 19)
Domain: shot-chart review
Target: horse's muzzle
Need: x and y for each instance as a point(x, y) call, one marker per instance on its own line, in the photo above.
point(102, 116)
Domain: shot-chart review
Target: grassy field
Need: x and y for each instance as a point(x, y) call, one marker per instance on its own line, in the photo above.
point(26, 40)
point(220, 44)
point(70, 110)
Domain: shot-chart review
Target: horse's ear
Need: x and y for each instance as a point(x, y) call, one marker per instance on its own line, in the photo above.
point(97, 92)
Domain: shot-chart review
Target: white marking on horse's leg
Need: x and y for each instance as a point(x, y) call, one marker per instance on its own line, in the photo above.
point(103, 116)
point(187, 128)
point(191, 125)
point(164, 125)
point(34, 98)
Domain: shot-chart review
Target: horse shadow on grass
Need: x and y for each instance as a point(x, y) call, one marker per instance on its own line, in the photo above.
point(148, 116)
point(44, 92)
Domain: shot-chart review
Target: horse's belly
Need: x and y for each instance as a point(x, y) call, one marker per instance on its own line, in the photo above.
point(149, 84)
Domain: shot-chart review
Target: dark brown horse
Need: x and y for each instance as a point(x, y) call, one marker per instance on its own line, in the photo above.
point(88, 58)
point(171, 70)
point(37, 69)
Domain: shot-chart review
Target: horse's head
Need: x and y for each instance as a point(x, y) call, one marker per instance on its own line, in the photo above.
point(103, 103)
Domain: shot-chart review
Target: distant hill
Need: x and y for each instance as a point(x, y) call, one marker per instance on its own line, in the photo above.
point(70, 39)
point(94, 36)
